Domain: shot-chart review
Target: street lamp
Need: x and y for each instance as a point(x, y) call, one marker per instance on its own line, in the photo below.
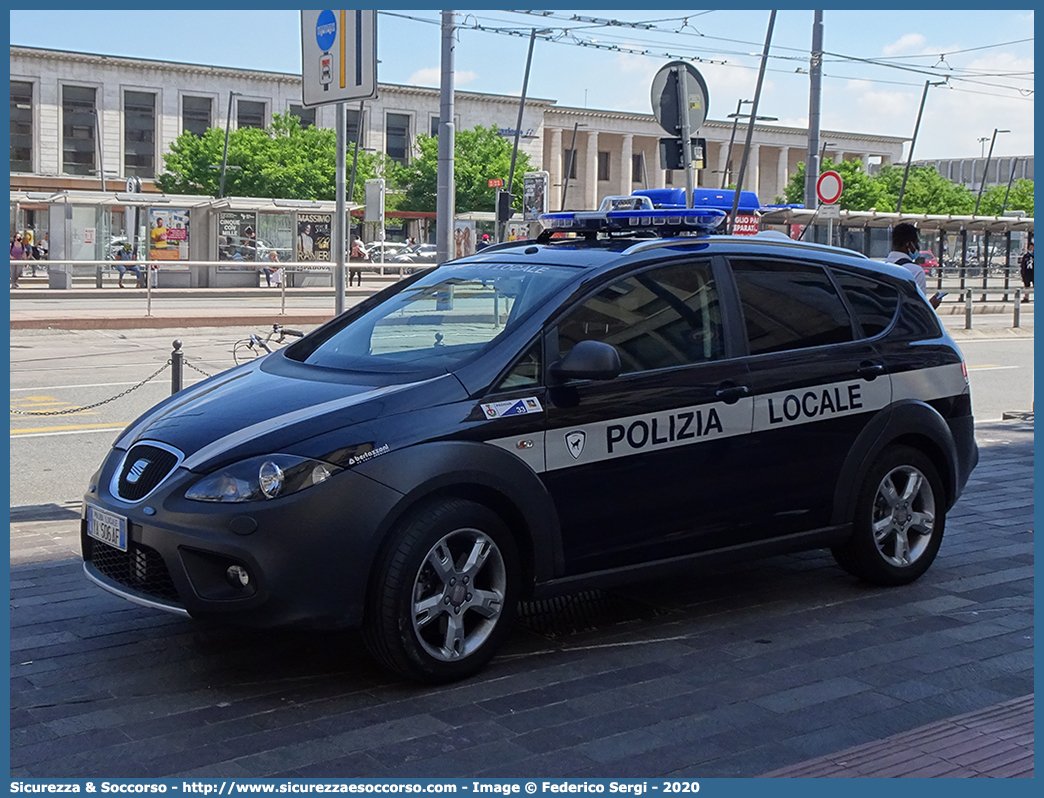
point(982, 145)
point(224, 157)
point(732, 138)
point(913, 141)
point(986, 168)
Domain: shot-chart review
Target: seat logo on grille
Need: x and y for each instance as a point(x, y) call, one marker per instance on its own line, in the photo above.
point(136, 471)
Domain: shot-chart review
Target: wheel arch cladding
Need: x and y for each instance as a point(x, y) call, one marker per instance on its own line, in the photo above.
point(484, 474)
point(909, 423)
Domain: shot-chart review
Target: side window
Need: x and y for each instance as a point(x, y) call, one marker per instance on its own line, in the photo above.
point(525, 373)
point(874, 303)
point(789, 306)
point(656, 319)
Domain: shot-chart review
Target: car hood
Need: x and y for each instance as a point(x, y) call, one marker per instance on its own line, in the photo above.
point(253, 410)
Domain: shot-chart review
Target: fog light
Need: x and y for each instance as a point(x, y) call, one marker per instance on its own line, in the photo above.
point(237, 576)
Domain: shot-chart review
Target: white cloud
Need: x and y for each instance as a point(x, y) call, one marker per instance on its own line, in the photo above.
point(432, 76)
point(904, 44)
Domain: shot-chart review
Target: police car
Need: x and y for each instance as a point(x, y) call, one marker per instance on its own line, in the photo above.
point(625, 396)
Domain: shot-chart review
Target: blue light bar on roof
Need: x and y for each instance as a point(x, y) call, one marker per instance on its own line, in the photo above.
point(642, 216)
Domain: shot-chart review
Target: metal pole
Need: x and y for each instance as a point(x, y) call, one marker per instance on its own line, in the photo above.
point(224, 157)
point(1011, 179)
point(177, 358)
point(355, 155)
point(339, 234)
point(913, 141)
point(732, 139)
point(445, 199)
point(686, 133)
point(98, 142)
point(815, 74)
point(518, 124)
point(985, 171)
point(750, 126)
point(569, 166)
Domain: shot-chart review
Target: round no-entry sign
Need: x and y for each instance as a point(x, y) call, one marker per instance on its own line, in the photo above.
point(829, 187)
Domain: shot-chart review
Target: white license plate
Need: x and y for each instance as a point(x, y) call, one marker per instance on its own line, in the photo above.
point(107, 527)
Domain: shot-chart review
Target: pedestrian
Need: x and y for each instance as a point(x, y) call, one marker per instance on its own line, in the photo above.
point(483, 243)
point(19, 253)
point(123, 255)
point(273, 273)
point(249, 248)
point(905, 243)
point(1026, 269)
point(356, 255)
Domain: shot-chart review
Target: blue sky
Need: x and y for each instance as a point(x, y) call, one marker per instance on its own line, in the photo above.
point(988, 56)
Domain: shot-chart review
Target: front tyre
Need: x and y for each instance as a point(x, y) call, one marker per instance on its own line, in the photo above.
point(899, 519)
point(444, 593)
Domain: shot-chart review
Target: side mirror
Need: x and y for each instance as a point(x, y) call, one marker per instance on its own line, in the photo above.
point(588, 360)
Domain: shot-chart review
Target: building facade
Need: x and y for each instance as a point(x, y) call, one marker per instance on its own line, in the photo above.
point(77, 118)
point(969, 171)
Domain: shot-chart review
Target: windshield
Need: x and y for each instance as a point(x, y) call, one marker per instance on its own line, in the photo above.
point(439, 322)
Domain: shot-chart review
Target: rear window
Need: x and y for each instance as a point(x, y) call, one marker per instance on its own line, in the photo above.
point(873, 303)
point(788, 305)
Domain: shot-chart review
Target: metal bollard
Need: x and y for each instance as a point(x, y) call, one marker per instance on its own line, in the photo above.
point(177, 359)
point(967, 310)
point(1017, 316)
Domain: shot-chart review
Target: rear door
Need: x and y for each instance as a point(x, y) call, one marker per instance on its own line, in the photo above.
point(649, 465)
point(817, 382)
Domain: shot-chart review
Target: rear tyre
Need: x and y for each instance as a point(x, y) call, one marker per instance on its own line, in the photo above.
point(899, 519)
point(444, 592)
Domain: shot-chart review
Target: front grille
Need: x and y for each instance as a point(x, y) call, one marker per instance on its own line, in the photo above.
point(144, 467)
point(139, 568)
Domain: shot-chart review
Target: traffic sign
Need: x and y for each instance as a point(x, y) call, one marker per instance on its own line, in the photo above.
point(338, 56)
point(495, 182)
point(665, 105)
point(829, 187)
point(829, 212)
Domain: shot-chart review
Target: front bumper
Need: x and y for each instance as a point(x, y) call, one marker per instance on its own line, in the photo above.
point(308, 555)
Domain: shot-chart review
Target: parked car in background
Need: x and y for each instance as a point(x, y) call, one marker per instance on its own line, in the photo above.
point(927, 260)
point(391, 249)
point(419, 253)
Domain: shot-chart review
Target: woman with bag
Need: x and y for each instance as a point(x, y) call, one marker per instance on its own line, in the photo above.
point(357, 254)
point(19, 252)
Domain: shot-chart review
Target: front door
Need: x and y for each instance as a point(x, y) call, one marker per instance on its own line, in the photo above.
point(646, 466)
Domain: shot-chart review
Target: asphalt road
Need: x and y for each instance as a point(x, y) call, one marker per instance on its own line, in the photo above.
point(66, 378)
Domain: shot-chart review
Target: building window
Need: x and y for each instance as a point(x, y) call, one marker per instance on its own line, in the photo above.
point(603, 166)
point(638, 168)
point(196, 115)
point(397, 137)
point(250, 114)
point(139, 133)
point(21, 126)
point(433, 125)
point(78, 130)
point(569, 163)
point(352, 129)
point(306, 116)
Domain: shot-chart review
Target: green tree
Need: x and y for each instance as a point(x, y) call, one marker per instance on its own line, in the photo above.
point(861, 192)
point(1020, 198)
point(283, 161)
point(478, 155)
point(927, 191)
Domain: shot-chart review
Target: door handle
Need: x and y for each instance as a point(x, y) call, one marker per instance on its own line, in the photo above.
point(869, 371)
point(730, 394)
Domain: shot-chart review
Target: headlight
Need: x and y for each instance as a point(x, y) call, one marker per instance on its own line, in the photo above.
point(261, 478)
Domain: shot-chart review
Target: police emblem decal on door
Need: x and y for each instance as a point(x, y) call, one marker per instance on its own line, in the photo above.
point(575, 443)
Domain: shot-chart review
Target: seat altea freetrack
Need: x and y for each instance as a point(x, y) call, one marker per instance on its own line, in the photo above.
point(573, 411)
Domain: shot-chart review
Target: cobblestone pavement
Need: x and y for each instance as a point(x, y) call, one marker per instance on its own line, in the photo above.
point(736, 672)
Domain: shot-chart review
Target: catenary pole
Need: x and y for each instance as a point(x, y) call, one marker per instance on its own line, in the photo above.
point(753, 116)
point(444, 196)
point(569, 166)
point(913, 143)
point(518, 125)
point(339, 233)
point(815, 83)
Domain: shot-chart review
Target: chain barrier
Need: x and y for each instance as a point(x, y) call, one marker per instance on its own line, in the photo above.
point(70, 410)
point(196, 368)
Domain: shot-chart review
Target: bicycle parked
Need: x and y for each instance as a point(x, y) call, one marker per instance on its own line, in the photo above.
point(255, 346)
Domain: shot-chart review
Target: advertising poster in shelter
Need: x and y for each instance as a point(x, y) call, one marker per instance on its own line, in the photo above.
point(463, 239)
point(168, 233)
point(237, 235)
point(313, 236)
point(534, 195)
